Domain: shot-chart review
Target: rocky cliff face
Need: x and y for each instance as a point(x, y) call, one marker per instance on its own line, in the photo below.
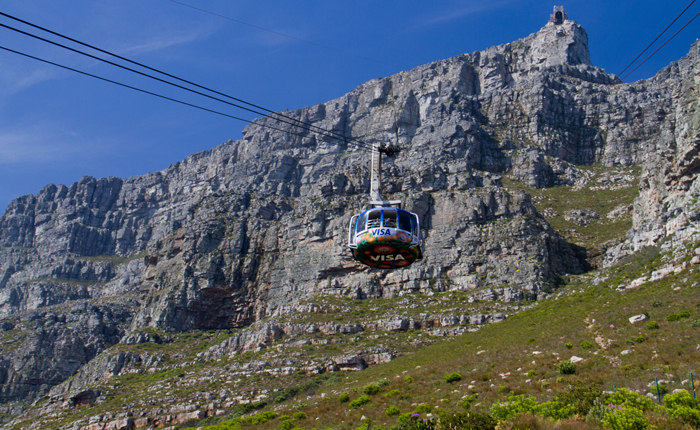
point(230, 235)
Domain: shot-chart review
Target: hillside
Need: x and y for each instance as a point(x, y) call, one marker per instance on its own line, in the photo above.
point(548, 190)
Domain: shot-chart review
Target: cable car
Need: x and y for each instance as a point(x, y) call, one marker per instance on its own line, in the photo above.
point(384, 236)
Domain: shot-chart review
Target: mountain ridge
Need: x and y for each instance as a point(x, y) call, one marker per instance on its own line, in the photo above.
point(231, 235)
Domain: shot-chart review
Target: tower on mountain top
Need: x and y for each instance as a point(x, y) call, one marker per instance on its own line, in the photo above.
point(558, 17)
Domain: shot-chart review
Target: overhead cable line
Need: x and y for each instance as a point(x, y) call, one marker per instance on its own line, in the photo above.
point(280, 34)
point(657, 50)
point(295, 122)
point(148, 92)
point(654, 41)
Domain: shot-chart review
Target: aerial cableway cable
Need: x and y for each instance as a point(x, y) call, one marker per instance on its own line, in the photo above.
point(654, 41)
point(148, 92)
point(657, 50)
point(284, 118)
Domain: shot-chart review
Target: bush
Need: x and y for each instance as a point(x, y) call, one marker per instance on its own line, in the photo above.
point(413, 422)
point(468, 421)
point(383, 382)
point(687, 415)
point(626, 419)
point(422, 409)
point(557, 410)
point(466, 402)
point(630, 341)
point(453, 377)
point(673, 317)
point(630, 399)
point(345, 397)
point(408, 379)
point(640, 338)
point(530, 373)
point(569, 345)
point(581, 396)
point(598, 411)
point(586, 345)
point(286, 425)
point(544, 384)
point(299, 415)
point(513, 406)
point(392, 411)
point(678, 399)
point(371, 389)
point(504, 389)
point(684, 314)
point(566, 367)
point(263, 417)
point(392, 393)
point(359, 401)
point(653, 325)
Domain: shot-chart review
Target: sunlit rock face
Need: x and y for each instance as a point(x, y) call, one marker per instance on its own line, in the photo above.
point(240, 232)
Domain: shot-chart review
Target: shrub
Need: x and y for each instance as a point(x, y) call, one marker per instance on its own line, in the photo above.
point(468, 421)
point(640, 338)
point(299, 415)
point(408, 379)
point(653, 325)
point(557, 409)
point(392, 393)
point(359, 401)
point(532, 339)
point(566, 367)
point(413, 422)
point(630, 399)
point(686, 414)
point(569, 345)
point(453, 377)
point(581, 396)
point(286, 425)
point(544, 384)
point(392, 411)
point(586, 345)
point(371, 389)
point(662, 389)
point(383, 382)
point(345, 397)
point(530, 373)
point(422, 409)
point(630, 341)
point(656, 304)
point(513, 406)
point(560, 379)
point(598, 411)
point(684, 314)
point(678, 399)
point(695, 323)
point(626, 419)
point(504, 389)
point(673, 317)
point(466, 402)
point(263, 417)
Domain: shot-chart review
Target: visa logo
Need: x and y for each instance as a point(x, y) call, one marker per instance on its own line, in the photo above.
point(380, 232)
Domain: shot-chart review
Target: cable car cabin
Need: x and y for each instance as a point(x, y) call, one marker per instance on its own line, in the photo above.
point(385, 238)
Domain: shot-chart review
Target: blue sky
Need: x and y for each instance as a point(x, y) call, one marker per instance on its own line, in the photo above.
point(57, 126)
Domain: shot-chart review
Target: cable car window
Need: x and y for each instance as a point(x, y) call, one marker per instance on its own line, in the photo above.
point(374, 219)
point(390, 219)
point(414, 225)
point(404, 221)
point(361, 223)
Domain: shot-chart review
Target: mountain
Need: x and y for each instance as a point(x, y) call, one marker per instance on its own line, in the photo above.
point(255, 228)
